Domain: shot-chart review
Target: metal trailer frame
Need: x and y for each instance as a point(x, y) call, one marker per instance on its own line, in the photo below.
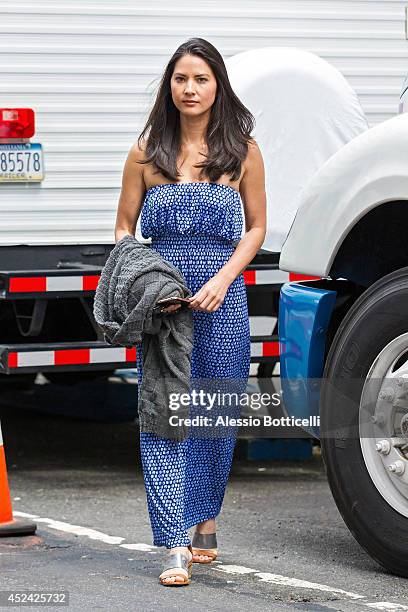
point(35, 302)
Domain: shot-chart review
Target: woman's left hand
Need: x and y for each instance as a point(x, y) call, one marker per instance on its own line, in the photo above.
point(211, 295)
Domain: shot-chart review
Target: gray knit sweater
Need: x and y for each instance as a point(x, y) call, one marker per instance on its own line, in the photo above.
point(133, 278)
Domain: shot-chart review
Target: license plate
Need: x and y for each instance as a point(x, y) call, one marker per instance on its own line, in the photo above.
point(21, 163)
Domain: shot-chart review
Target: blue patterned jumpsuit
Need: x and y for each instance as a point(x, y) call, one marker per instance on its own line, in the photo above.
point(192, 225)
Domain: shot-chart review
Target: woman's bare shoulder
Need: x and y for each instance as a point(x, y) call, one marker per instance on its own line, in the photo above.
point(254, 155)
point(137, 151)
point(252, 142)
point(253, 147)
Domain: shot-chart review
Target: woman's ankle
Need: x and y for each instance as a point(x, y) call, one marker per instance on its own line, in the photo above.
point(208, 526)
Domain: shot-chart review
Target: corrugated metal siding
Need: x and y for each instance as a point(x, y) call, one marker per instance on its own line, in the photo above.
point(88, 68)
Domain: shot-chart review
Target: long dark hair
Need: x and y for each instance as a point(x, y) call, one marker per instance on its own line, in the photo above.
point(229, 127)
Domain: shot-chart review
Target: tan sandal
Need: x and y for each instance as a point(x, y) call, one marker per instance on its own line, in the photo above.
point(177, 564)
point(205, 544)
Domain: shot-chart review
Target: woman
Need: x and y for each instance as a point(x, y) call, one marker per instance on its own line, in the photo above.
point(193, 162)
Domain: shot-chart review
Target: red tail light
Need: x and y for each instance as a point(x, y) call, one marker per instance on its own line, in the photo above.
point(16, 123)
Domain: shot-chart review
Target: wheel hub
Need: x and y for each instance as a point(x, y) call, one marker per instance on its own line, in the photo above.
point(384, 423)
point(404, 426)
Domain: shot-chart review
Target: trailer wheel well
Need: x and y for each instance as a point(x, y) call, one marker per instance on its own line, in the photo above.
point(375, 246)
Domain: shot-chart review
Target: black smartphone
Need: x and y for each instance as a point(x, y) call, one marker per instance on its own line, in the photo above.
point(169, 301)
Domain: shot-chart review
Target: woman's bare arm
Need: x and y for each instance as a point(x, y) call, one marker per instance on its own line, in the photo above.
point(252, 190)
point(131, 195)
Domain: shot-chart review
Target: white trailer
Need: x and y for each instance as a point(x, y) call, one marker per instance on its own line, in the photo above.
point(87, 70)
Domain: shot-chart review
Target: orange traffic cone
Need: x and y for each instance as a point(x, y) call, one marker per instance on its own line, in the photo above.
point(10, 526)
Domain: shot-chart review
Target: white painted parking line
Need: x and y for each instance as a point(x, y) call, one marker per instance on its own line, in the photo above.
point(76, 529)
point(286, 581)
point(386, 605)
point(294, 582)
point(142, 547)
point(235, 569)
point(217, 565)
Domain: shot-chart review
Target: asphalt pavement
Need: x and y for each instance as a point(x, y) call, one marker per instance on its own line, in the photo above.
point(282, 542)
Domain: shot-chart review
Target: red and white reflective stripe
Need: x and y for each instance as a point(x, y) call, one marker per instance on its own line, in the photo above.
point(293, 276)
point(21, 359)
point(26, 284)
point(44, 284)
point(265, 349)
point(273, 277)
point(265, 277)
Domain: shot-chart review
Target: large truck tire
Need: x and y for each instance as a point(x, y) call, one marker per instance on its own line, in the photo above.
point(364, 421)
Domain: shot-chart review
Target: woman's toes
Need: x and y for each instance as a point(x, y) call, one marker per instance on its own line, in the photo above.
point(200, 558)
point(169, 578)
point(173, 578)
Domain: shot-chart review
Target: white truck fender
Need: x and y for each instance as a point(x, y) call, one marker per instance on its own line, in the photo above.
point(368, 171)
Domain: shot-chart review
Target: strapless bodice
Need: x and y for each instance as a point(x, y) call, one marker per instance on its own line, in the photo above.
point(192, 209)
